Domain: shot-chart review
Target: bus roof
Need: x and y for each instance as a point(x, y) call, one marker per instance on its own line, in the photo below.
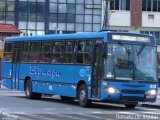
point(75, 36)
point(81, 35)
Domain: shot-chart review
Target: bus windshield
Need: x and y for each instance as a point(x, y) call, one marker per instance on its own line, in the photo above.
point(130, 62)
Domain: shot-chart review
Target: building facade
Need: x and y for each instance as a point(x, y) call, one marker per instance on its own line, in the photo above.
point(141, 16)
point(38, 17)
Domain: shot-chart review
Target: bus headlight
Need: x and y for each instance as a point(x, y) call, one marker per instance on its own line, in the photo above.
point(152, 92)
point(110, 89)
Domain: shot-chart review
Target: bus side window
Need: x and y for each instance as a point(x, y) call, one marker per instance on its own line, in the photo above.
point(35, 52)
point(45, 56)
point(69, 54)
point(57, 50)
point(25, 52)
point(84, 54)
point(8, 52)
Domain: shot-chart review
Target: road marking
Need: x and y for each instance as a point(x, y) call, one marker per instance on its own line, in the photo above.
point(125, 113)
point(151, 113)
point(97, 112)
point(49, 109)
point(71, 117)
point(68, 108)
point(20, 113)
point(152, 109)
point(92, 116)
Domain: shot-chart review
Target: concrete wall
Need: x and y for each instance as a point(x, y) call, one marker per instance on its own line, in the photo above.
point(151, 19)
point(119, 18)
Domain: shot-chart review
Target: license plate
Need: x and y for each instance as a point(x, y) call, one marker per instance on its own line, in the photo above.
point(150, 96)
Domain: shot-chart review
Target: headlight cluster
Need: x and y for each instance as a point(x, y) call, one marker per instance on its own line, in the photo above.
point(110, 90)
point(152, 92)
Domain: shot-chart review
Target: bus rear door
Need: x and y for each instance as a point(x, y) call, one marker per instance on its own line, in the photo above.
point(15, 67)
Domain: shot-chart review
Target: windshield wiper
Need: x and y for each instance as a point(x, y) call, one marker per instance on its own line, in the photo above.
point(141, 49)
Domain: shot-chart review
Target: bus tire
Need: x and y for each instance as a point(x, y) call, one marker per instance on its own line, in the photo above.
point(83, 96)
point(28, 91)
point(130, 106)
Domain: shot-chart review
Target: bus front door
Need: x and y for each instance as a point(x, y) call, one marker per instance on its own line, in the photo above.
point(96, 72)
point(15, 68)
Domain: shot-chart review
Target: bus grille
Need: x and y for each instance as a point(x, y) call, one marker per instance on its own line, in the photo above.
point(132, 98)
point(133, 91)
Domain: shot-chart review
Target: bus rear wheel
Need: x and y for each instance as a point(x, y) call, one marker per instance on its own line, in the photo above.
point(83, 96)
point(130, 106)
point(28, 91)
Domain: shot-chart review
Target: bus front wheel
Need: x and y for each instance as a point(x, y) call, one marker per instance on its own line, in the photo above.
point(130, 106)
point(83, 96)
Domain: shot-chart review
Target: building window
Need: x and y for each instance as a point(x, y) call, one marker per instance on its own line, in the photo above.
point(120, 4)
point(151, 5)
point(67, 15)
point(7, 10)
point(23, 9)
point(31, 11)
point(32, 17)
point(53, 7)
point(155, 34)
point(62, 13)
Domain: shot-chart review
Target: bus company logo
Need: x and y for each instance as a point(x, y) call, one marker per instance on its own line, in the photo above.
point(34, 70)
point(82, 72)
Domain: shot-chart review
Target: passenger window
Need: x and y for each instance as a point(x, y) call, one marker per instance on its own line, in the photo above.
point(84, 52)
point(69, 54)
point(84, 46)
point(45, 54)
point(8, 52)
point(70, 46)
point(35, 52)
point(57, 52)
point(25, 52)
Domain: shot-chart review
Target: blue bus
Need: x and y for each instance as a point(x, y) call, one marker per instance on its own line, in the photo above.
point(103, 66)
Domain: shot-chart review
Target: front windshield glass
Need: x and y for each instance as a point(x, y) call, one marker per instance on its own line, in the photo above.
point(130, 62)
point(145, 61)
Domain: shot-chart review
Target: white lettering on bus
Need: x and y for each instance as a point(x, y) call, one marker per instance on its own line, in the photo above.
point(34, 70)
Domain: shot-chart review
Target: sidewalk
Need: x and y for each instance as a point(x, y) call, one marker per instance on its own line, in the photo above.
point(153, 105)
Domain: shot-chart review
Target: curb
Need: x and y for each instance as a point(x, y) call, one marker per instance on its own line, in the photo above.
point(151, 105)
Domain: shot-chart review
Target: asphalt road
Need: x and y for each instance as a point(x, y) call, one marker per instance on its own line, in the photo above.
point(14, 106)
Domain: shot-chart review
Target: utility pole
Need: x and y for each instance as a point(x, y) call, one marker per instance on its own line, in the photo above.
point(106, 8)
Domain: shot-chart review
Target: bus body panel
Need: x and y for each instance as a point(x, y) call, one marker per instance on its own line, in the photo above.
point(7, 74)
point(48, 79)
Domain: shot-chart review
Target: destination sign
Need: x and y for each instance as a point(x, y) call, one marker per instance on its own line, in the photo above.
point(131, 38)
